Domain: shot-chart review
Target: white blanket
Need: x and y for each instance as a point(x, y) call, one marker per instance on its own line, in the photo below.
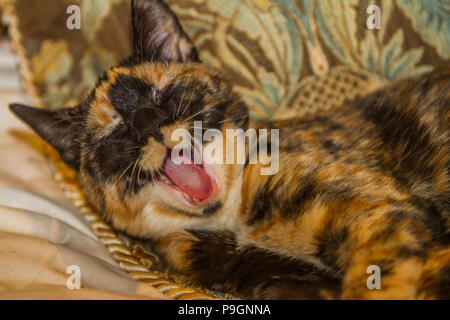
point(41, 233)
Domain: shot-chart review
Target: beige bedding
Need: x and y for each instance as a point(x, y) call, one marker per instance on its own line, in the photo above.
point(41, 233)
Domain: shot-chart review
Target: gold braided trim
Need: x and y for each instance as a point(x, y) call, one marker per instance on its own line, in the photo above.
point(134, 258)
point(10, 18)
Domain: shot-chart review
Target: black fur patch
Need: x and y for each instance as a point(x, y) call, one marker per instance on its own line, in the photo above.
point(212, 208)
point(216, 261)
point(401, 135)
point(133, 99)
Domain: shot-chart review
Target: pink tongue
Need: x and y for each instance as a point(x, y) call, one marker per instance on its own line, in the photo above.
point(190, 178)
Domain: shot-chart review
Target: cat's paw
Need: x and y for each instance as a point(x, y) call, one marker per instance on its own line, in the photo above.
point(291, 289)
point(174, 250)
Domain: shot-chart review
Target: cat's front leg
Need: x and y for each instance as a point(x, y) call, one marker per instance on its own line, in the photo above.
point(214, 260)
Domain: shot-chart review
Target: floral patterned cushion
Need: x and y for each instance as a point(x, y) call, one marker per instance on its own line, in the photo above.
point(281, 54)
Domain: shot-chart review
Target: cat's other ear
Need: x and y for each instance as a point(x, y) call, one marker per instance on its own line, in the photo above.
point(158, 35)
point(59, 128)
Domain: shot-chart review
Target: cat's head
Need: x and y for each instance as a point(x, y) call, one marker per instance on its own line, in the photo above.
point(120, 139)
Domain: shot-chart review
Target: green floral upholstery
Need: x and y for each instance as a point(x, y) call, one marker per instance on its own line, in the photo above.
point(281, 54)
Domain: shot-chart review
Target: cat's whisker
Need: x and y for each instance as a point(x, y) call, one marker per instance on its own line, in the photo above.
point(203, 128)
point(124, 171)
point(200, 112)
point(188, 105)
point(133, 171)
point(231, 120)
point(139, 175)
point(153, 55)
point(179, 107)
point(53, 124)
point(131, 151)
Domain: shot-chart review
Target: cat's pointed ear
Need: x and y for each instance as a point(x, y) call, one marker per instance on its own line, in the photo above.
point(59, 128)
point(158, 35)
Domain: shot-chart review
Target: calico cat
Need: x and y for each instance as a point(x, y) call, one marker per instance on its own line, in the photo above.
point(366, 184)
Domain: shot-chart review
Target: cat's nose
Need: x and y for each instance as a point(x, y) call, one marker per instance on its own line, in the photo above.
point(148, 119)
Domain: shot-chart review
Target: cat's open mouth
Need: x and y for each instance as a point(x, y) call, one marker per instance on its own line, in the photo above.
point(192, 183)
